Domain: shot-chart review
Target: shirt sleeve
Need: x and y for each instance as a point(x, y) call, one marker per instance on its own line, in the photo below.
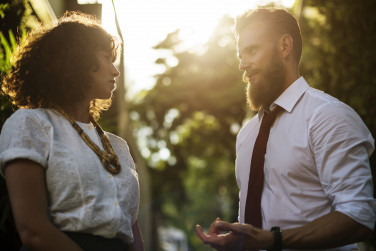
point(341, 146)
point(24, 136)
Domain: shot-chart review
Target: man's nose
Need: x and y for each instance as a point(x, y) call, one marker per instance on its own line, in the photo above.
point(243, 65)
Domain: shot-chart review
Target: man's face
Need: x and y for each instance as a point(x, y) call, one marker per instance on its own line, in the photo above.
point(263, 68)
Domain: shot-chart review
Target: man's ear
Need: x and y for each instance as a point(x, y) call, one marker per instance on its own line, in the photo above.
point(285, 45)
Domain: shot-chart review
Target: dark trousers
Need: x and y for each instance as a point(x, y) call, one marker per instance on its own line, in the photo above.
point(89, 242)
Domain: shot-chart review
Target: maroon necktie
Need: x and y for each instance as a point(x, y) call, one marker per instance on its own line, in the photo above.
point(256, 174)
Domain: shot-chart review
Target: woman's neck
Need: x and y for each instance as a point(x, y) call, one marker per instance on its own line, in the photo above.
point(79, 112)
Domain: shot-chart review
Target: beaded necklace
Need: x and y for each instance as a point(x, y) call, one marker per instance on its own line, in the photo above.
point(107, 157)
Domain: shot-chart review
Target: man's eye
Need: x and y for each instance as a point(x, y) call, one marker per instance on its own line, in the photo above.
point(251, 52)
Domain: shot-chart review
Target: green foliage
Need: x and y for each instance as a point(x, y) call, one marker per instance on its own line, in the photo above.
point(194, 112)
point(3, 7)
point(340, 52)
point(7, 50)
point(12, 29)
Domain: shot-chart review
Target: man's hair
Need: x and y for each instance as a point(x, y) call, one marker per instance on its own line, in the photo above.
point(279, 22)
point(54, 65)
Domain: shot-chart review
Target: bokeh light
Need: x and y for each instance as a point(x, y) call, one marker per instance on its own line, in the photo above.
point(144, 23)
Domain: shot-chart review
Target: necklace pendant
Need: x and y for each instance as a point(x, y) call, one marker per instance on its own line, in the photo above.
point(108, 156)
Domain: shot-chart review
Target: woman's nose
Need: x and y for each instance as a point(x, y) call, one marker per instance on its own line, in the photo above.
point(115, 71)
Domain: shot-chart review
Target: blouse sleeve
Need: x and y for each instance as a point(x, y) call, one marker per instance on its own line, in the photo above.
point(25, 135)
point(341, 145)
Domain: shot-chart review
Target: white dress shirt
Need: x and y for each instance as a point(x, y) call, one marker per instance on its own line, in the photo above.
point(316, 162)
point(82, 195)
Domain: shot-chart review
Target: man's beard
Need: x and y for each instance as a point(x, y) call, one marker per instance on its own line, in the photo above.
point(269, 85)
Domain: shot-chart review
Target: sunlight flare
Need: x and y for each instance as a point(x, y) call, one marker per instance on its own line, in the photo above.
point(145, 23)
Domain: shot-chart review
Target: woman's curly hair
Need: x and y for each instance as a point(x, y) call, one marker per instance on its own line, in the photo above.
point(53, 66)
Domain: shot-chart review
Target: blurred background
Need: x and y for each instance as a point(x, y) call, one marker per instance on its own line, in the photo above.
point(180, 100)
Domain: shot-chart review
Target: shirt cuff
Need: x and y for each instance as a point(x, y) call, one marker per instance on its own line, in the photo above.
point(21, 153)
point(362, 212)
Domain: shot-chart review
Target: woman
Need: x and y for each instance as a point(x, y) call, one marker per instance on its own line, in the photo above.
point(71, 185)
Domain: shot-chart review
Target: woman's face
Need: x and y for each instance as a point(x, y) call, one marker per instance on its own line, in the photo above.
point(103, 76)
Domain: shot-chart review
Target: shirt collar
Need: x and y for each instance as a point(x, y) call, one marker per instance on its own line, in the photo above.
point(288, 99)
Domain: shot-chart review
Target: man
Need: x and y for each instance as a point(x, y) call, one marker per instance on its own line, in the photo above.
point(316, 185)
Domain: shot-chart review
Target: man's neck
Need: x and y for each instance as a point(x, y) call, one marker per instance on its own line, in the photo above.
point(292, 74)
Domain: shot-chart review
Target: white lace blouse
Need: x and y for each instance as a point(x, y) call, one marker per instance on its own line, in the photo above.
point(82, 195)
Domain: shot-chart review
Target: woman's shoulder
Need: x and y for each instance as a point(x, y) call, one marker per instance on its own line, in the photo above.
point(116, 140)
point(29, 113)
point(28, 117)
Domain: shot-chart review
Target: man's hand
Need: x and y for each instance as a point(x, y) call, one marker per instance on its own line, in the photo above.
point(237, 237)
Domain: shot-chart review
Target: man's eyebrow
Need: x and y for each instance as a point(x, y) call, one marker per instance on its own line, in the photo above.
point(246, 50)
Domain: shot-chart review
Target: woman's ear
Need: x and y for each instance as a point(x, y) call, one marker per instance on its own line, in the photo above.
point(286, 44)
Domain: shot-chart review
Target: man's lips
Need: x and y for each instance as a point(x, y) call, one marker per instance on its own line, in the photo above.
point(252, 74)
point(251, 78)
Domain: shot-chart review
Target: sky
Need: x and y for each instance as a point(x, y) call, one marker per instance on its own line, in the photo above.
point(145, 23)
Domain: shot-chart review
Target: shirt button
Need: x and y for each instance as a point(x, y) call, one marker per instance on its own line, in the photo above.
point(116, 203)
